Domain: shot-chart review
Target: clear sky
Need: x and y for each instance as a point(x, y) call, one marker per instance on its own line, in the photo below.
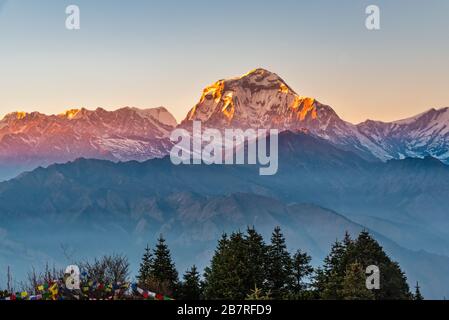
point(148, 53)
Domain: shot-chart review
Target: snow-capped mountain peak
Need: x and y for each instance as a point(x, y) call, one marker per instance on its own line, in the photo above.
point(258, 99)
point(262, 99)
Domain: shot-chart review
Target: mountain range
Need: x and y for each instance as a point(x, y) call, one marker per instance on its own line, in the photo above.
point(105, 175)
point(258, 99)
point(29, 140)
point(261, 99)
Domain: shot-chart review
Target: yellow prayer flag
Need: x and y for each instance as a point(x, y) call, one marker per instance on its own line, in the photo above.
point(53, 289)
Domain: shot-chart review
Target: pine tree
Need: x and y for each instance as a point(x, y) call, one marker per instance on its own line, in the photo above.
point(393, 282)
point(279, 269)
point(354, 284)
point(347, 240)
point(418, 296)
point(163, 272)
point(237, 267)
point(301, 271)
point(215, 274)
point(329, 280)
point(256, 260)
point(146, 265)
point(228, 276)
point(319, 282)
point(191, 286)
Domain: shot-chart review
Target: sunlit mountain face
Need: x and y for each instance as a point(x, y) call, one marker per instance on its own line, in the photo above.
point(258, 99)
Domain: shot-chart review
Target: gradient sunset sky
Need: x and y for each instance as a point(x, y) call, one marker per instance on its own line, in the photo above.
point(147, 53)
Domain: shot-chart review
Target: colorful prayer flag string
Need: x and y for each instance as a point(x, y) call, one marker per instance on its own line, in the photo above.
point(89, 290)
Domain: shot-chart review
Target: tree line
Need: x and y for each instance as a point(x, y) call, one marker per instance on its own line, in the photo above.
point(245, 267)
